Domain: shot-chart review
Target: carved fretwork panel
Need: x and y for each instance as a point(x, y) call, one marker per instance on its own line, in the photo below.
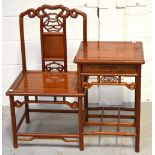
point(53, 17)
point(52, 23)
point(109, 80)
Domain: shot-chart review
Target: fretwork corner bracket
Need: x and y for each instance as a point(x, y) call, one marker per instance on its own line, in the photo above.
point(130, 86)
point(19, 104)
point(73, 105)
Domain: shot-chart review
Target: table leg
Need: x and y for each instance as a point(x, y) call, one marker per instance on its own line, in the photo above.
point(13, 121)
point(80, 113)
point(138, 107)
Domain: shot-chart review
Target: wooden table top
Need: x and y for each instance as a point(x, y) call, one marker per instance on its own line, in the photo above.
point(110, 53)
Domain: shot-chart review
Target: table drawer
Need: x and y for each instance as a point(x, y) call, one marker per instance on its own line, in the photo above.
point(109, 69)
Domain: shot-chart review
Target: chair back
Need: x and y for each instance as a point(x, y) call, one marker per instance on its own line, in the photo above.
point(52, 35)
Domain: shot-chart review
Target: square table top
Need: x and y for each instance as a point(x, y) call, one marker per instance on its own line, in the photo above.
point(110, 52)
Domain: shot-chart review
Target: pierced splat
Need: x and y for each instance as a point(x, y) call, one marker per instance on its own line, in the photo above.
point(53, 23)
point(53, 36)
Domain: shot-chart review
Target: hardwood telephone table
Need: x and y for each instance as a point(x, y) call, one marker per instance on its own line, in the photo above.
point(109, 62)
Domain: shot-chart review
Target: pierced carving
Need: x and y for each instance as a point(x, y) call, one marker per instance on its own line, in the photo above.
point(109, 80)
point(54, 66)
point(53, 23)
point(19, 104)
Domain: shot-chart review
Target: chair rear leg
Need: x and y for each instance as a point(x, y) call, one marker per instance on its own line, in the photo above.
point(86, 106)
point(27, 110)
point(64, 99)
point(55, 98)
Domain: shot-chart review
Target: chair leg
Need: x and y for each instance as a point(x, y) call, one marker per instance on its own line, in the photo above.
point(86, 106)
point(13, 121)
point(80, 113)
point(64, 99)
point(55, 98)
point(27, 110)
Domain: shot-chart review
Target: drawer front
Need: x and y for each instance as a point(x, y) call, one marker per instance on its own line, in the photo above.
point(109, 69)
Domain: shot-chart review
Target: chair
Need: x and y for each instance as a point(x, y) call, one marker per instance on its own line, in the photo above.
point(54, 79)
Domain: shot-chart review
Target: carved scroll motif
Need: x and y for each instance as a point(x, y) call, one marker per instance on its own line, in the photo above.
point(19, 104)
point(54, 66)
point(74, 13)
point(43, 11)
point(30, 12)
point(73, 105)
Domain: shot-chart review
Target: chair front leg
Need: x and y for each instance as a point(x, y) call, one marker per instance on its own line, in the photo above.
point(13, 121)
point(80, 113)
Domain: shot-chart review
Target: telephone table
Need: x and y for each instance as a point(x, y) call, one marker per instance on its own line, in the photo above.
point(110, 62)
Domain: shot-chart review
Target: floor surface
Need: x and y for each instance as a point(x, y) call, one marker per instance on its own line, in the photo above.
point(94, 145)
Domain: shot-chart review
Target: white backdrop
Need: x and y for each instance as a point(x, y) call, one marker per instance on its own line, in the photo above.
point(123, 20)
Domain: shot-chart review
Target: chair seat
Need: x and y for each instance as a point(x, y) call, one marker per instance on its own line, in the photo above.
point(45, 84)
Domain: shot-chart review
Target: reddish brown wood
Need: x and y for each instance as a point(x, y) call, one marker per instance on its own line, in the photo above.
point(46, 83)
point(53, 111)
point(13, 121)
point(126, 124)
point(96, 58)
point(94, 53)
point(111, 108)
point(33, 138)
point(81, 123)
point(27, 110)
point(111, 116)
point(31, 13)
point(48, 135)
point(86, 106)
point(92, 133)
point(138, 108)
